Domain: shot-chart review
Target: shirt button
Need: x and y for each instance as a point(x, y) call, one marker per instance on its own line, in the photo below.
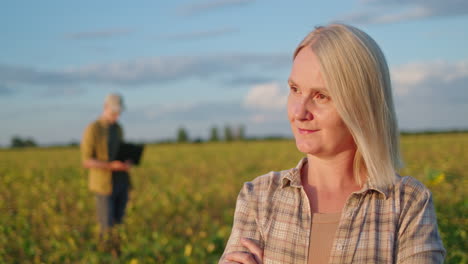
point(339, 247)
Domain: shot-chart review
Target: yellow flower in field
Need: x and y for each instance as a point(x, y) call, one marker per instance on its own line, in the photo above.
point(438, 179)
point(210, 247)
point(188, 250)
point(72, 243)
point(198, 197)
point(133, 261)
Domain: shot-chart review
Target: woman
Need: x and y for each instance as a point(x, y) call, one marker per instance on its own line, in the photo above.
point(344, 202)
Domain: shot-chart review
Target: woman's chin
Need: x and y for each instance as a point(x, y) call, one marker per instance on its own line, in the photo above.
point(305, 147)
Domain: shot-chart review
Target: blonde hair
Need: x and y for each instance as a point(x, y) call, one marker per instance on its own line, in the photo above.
point(358, 79)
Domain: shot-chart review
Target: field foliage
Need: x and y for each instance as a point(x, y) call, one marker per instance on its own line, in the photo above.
point(183, 200)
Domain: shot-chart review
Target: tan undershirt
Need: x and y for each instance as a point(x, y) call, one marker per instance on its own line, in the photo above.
point(322, 232)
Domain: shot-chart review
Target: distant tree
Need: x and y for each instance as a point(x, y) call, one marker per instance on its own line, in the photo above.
point(228, 135)
point(214, 134)
point(74, 143)
point(29, 142)
point(18, 142)
point(240, 135)
point(198, 140)
point(182, 135)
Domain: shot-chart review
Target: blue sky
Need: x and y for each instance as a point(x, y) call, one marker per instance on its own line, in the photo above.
point(198, 64)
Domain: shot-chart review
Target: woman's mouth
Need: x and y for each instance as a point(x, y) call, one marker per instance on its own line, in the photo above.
point(303, 131)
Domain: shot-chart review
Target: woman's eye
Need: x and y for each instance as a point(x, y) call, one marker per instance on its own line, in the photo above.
point(320, 97)
point(293, 89)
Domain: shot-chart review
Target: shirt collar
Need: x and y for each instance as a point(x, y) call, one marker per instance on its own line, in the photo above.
point(369, 186)
point(292, 178)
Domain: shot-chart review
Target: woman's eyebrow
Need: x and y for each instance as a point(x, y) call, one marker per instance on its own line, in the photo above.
point(291, 82)
point(317, 89)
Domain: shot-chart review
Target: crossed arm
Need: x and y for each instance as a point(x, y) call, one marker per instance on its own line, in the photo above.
point(245, 245)
point(253, 256)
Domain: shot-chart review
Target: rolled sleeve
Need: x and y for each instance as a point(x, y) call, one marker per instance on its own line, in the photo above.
point(419, 240)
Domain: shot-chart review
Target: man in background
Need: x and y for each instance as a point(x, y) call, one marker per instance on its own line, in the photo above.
point(108, 178)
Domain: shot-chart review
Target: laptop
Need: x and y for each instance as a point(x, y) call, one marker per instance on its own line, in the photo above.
point(132, 152)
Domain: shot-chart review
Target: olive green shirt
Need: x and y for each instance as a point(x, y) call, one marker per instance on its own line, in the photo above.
point(95, 145)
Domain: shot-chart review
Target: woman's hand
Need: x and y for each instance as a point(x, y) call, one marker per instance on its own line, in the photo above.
point(254, 257)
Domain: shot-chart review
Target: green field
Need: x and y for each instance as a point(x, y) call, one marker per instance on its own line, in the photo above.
point(183, 200)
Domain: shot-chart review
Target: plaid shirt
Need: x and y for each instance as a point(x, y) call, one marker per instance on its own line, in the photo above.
point(394, 225)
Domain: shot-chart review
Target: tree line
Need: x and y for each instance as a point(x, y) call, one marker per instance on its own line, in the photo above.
point(229, 134)
point(19, 142)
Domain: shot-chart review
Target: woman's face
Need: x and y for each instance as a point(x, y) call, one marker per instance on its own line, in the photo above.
point(315, 122)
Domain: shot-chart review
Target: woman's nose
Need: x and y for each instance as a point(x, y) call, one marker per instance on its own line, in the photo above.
point(302, 111)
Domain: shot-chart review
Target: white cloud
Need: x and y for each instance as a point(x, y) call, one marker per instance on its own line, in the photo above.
point(5, 91)
point(142, 71)
point(369, 16)
point(267, 96)
point(108, 33)
point(201, 34)
point(431, 95)
point(154, 113)
point(266, 118)
point(193, 9)
point(391, 11)
point(428, 78)
point(69, 91)
point(266, 102)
